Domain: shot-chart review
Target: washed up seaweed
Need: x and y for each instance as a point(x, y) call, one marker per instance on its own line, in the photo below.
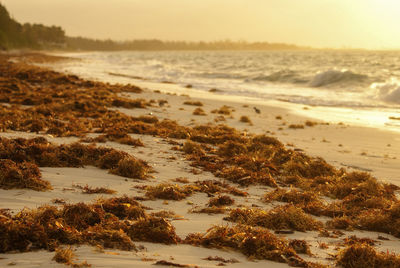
point(362, 255)
point(111, 223)
point(255, 243)
point(282, 217)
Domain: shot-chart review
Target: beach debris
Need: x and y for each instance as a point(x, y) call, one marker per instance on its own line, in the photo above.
point(170, 191)
point(225, 110)
point(296, 126)
point(199, 111)
point(194, 103)
point(173, 264)
point(209, 210)
point(220, 259)
point(65, 256)
point(300, 246)
point(95, 190)
point(245, 119)
point(222, 200)
point(309, 123)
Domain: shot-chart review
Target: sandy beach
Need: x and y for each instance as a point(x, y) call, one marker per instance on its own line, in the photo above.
point(276, 202)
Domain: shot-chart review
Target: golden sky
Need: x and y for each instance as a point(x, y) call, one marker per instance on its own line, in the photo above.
point(319, 23)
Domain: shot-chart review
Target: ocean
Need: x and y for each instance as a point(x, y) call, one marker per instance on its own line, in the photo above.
point(354, 87)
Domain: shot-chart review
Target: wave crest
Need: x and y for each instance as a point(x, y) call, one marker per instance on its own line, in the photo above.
point(336, 76)
point(389, 91)
point(284, 76)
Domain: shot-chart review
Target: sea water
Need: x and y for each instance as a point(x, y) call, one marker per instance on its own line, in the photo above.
point(356, 87)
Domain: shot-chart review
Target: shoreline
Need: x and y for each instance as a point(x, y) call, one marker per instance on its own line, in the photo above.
point(379, 118)
point(341, 138)
point(181, 157)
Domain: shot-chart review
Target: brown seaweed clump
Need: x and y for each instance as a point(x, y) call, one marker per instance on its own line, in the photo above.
point(300, 246)
point(169, 191)
point(245, 119)
point(65, 256)
point(255, 243)
point(132, 168)
point(282, 217)
point(193, 103)
point(118, 239)
point(112, 223)
point(309, 201)
point(21, 175)
point(199, 111)
point(209, 210)
point(124, 207)
point(225, 110)
point(363, 255)
point(381, 220)
point(222, 200)
point(153, 229)
point(213, 186)
point(122, 137)
point(96, 190)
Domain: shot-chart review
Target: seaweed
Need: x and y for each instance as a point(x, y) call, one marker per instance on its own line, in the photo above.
point(213, 186)
point(131, 167)
point(296, 126)
point(220, 259)
point(380, 220)
point(21, 175)
point(153, 229)
point(360, 255)
point(65, 256)
point(300, 246)
point(282, 217)
point(209, 210)
point(255, 243)
point(169, 191)
point(245, 119)
point(97, 190)
point(199, 111)
point(222, 200)
point(225, 110)
point(118, 239)
point(123, 207)
point(112, 223)
point(194, 103)
point(173, 264)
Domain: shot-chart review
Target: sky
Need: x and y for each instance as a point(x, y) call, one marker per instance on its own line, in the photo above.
point(372, 24)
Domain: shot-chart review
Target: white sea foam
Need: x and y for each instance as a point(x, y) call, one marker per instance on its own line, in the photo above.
point(388, 91)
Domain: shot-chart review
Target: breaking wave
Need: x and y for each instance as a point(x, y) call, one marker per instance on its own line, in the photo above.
point(335, 76)
point(283, 76)
point(388, 92)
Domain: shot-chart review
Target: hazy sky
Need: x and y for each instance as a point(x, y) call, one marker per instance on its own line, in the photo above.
point(320, 23)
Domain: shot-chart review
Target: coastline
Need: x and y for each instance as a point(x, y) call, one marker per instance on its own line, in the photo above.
point(343, 144)
point(339, 144)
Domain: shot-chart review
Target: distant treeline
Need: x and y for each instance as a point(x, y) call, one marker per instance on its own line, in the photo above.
point(16, 35)
point(37, 36)
point(80, 43)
